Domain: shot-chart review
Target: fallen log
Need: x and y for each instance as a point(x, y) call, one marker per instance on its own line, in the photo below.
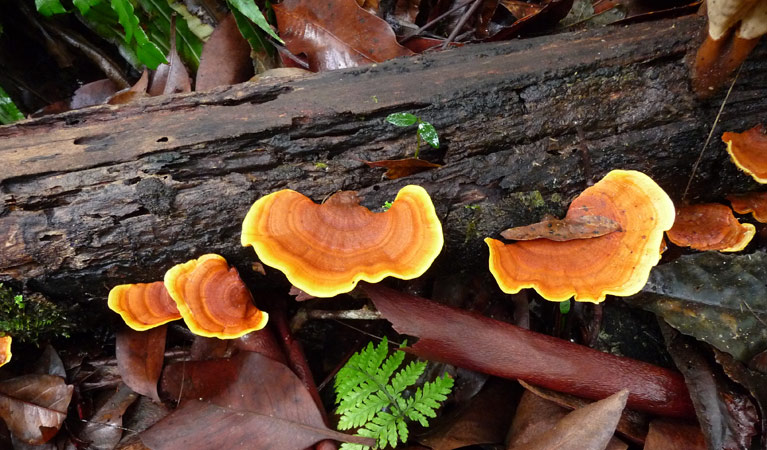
point(104, 195)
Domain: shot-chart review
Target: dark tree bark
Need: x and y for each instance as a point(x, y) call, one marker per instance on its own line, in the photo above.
point(107, 195)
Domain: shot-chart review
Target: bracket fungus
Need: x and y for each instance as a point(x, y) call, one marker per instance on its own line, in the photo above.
point(710, 226)
point(143, 305)
point(723, 51)
point(5, 350)
point(748, 151)
point(326, 249)
point(212, 298)
point(754, 203)
point(617, 263)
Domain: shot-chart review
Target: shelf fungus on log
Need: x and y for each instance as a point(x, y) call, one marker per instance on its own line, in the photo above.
point(726, 47)
point(143, 305)
point(617, 263)
point(710, 226)
point(748, 151)
point(326, 249)
point(753, 202)
point(212, 298)
point(5, 350)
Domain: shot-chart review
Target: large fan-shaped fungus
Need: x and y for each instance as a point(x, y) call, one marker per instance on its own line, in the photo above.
point(753, 202)
point(212, 298)
point(324, 250)
point(5, 349)
point(749, 151)
point(617, 263)
point(143, 305)
point(710, 226)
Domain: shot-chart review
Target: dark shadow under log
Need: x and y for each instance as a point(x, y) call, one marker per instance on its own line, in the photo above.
point(107, 195)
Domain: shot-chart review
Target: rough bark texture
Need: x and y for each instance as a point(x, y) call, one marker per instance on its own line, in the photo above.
point(106, 195)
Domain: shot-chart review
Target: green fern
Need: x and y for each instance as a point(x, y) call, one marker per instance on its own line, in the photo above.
point(372, 398)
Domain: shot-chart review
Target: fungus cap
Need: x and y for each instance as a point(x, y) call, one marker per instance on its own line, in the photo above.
point(710, 226)
point(618, 263)
point(5, 349)
point(143, 305)
point(749, 151)
point(212, 298)
point(753, 202)
point(326, 249)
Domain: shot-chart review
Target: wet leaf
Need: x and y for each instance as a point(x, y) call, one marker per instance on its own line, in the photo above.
point(398, 168)
point(719, 299)
point(665, 434)
point(336, 34)
point(103, 430)
point(34, 406)
point(583, 227)
point(140, 355)
point(727, 417)
point(266, 401)
point(203, 380)
point(471, 341)
point(172, 77)
point(592, 427)
point(428, 134)
point(402, 119)
point(754, 381)
point(225, 58)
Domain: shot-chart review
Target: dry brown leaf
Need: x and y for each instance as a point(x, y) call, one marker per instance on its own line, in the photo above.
point(133, 93)
point(170, 78)
point(335, 34)
point(583, 227)
point(140, 355)
point(34, 406)
point(225, 58)
point(665, 434)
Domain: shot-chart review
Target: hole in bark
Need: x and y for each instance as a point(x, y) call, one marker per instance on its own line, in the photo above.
point(163, 139)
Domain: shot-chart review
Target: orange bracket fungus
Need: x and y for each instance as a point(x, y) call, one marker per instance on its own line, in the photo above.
point(722, 52)
point(617, 263)
point(143, 305)
point(324, 250)
point(749, 151)
point(754, 203)
point(5, 349)
point(710, 226)
point(212, 298)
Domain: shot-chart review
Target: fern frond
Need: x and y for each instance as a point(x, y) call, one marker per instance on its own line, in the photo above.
point(370, 393)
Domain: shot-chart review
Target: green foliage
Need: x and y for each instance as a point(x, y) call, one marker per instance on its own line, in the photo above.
point(386, 206)
point(564, 307)
point(31, 319)
point(8, 111)
point(252, 34)
point(426, 131)
point(372, 395)
point(49, 7)
point(249, 9)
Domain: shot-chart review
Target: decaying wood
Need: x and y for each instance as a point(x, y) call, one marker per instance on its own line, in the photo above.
point(110, 194)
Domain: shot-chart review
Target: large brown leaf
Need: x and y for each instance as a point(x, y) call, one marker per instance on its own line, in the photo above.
point(265, 407)
point(479, 343)
point(103, 430)
point(225, 58)
point(34, 406)
point(335, 34)
point(140, 355)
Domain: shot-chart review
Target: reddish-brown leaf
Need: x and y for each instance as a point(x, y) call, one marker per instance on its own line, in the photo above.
point(672, 435)
point(554, 229)
point(133, 93)
point(266, 402)
point(94, 93)
point(592, 427)
point(335, 34)
point(398, 168)
point(479, 343)
point(172, 77)
point(140, 355)
point(201, 380)
point(225, 58)
point(34, 406)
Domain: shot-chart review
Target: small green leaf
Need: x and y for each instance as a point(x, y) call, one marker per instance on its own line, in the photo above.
point(428, 133)
point(386, 206)
point(251, 34)
point(150, 54)
point(126, 17)
point(49, 7)
point(402, 119)
point(8, 111)
point(85, 5)
point(564, 307)
point(251, 11)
